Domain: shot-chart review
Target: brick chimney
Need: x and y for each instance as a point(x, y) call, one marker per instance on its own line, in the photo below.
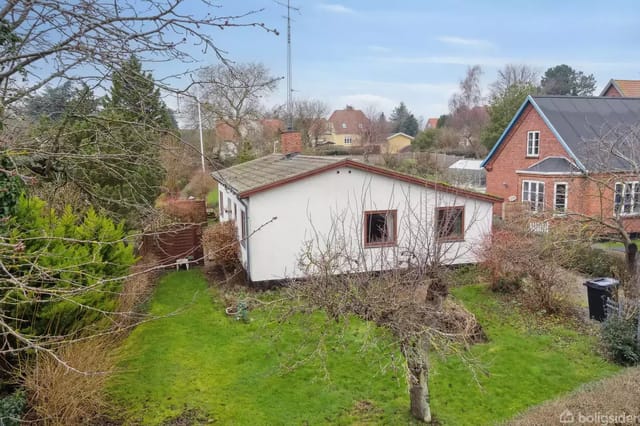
point(290, 142)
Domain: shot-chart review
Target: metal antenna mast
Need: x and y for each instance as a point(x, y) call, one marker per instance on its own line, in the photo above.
point(289, 77)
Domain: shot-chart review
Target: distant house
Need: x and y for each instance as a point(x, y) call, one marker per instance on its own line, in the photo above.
point(622, 88)
point(227, 138)
point(397, 142)
point(290, 209)
point(564, 155)
point(432, 123)
point(346, 126)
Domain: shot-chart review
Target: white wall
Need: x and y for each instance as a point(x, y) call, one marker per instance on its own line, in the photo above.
point(324, 214)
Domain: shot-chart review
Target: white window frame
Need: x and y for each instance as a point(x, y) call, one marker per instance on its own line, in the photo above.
point(533, 143)
point(348, 140)
point(555, 198)
point(626, 195)
point(537, 204)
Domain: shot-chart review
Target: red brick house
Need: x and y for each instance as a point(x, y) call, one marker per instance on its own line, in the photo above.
point(622, 88)
point(570, 155)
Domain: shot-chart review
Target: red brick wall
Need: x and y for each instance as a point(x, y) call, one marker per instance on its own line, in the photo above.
point(502, 179)
point(612, 92)
point(290, 142)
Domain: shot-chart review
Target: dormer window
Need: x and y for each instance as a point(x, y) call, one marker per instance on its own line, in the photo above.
point(533, 144)
point(344, 125)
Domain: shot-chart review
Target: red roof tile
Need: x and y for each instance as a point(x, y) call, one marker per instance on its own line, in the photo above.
point(348, 121)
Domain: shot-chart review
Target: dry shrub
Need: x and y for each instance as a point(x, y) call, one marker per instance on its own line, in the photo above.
point(613, 396)
point(186, 211)
point(136, 290)
point(221, 246)
point(528, 265)
point(60, 396)
point(200, 185)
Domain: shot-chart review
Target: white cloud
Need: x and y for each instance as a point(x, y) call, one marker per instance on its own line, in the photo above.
point(468, 42)
point(335, 8)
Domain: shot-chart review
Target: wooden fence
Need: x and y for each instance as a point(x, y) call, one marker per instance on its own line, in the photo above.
point(180, 240)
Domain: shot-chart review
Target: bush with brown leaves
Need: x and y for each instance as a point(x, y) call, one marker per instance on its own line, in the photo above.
point(221, 245)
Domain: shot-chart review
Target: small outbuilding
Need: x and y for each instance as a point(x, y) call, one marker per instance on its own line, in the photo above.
point(297, 213)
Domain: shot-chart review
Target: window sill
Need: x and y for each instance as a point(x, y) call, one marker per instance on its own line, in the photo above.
point(377, 245)
point(532, 156)
point(451, 240)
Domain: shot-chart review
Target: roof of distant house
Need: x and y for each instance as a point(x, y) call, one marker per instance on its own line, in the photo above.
point(432, 123)
point(348, 121)
point(276, 170)
point(274, 125)
point(400, 134)
point(586, 127)
point(627, 88)
point(224, 132)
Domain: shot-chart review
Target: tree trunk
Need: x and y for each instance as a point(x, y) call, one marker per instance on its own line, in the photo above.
point(418, 376)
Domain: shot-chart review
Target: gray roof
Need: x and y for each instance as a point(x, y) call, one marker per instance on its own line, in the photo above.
point(553, 165)
point(591, 126)
point(270, 169)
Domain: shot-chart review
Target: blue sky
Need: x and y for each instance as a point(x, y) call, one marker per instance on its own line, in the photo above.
point(379, 52)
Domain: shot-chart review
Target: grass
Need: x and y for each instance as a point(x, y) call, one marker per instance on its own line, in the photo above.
point(212, 197)
point(525, 362)
point(202, 361)
point(205, 365)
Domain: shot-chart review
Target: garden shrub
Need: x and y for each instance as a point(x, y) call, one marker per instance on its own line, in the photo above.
point(199, 185)
point(82, 257)
point(619, 336)
point(221, 246)
point(11, 408)
point(593, 261)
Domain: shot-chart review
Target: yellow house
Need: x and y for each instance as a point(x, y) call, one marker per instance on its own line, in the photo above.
point(346, 126)
point(397, 142)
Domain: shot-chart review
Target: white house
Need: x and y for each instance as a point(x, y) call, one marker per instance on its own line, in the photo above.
point(294, 212)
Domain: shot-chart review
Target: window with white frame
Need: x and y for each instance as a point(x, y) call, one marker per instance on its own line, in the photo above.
point(627, 198)
point(533, 194)
point(533, 144)
point(347, 140)
point(344, 125)
point(560, 198)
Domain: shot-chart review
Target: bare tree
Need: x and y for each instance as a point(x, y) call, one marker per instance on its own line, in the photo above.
point(376, 128)
point(513, 75)
point(309, 118)
point(408, 296)
point(47, 41)
point(231, 95)
point(468, 112)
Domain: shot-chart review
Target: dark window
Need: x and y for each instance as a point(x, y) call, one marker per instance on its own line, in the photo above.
point(380, 228)
point(221, 202)
point(450, 222)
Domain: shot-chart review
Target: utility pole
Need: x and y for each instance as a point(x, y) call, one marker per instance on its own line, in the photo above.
point(201, 142)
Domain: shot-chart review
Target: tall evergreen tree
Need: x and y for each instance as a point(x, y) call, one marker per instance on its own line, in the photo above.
point(134, 94)
point(402, 120)
point(564, 80)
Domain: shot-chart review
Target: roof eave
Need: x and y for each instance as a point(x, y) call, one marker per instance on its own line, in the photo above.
point(376, 170)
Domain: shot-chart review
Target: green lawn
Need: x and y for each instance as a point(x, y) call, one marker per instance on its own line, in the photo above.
point(233, 372)
point(523, 364)
point(238, 373)
point(212, 197)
